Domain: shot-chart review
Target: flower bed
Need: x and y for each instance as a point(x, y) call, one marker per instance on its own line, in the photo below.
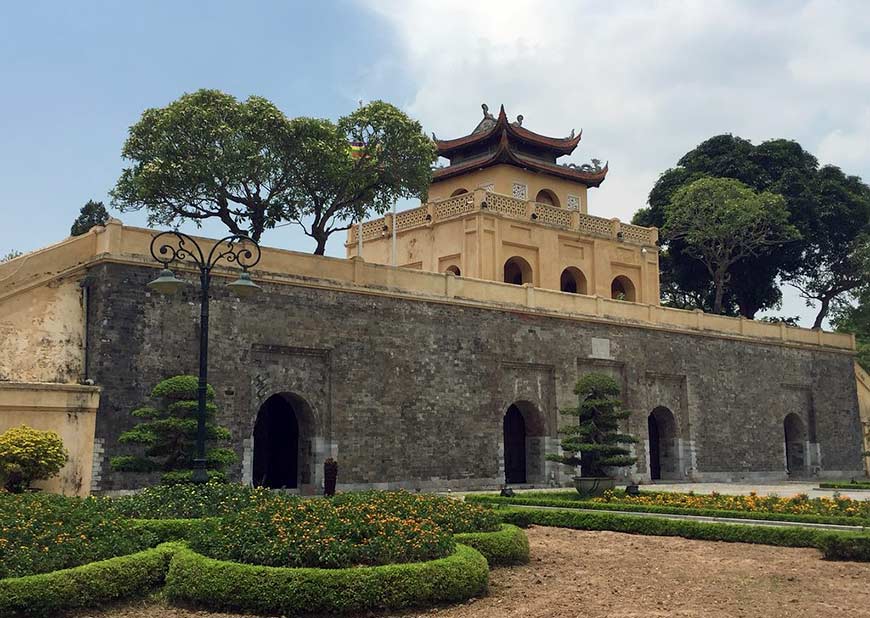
point(839, 510)
point(42, 532)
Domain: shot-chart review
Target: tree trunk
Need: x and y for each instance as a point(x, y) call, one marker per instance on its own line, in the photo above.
point(823, 313)
point(321, 244)
point(719, 282)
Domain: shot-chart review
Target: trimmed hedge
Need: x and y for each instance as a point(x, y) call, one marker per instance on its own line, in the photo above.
point(86, 586)
point(845, 485)
point(204, 582)
point(506, 547)
point(669, 510)
point(834, 545)
point(167, 530)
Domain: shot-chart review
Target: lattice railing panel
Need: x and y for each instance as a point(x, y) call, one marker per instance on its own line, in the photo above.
point(373, 229)
point(596, 225)
point(506, 204)
point(553, 215)
point(454, 206)
point(412, 218)
point(635, 233)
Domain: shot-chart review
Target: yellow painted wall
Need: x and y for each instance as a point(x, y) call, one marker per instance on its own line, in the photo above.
point(70, 411)
point(502, 178)
point(864, 408)
point(479, 245)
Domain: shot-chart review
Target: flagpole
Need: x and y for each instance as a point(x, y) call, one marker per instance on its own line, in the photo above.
point(393, 253)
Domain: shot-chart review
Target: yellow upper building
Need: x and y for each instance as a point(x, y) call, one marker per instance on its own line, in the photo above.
point(505, 210)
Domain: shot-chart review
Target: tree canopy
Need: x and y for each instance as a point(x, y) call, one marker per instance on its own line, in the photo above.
point(92, 213)
point(829, 209)
point(854, 317)
point(207, 155)
point(722, 221)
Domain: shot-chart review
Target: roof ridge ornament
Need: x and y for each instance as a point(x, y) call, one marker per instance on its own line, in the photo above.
point(488, 121)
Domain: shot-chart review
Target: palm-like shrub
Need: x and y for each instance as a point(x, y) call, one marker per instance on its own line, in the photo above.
point(168, 434)
point(595, 442)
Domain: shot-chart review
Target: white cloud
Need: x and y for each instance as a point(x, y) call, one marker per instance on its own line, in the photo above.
point(646, 81)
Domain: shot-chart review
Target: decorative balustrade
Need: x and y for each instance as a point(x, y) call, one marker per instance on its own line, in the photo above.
point(511, 207)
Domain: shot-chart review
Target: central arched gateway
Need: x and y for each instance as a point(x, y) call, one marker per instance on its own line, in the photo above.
point(663, 451)
point(795, 444)
point(523, 432)
point(282, 443)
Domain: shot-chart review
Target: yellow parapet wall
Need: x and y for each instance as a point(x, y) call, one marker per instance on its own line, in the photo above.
point(69, 410)
point(863, 379)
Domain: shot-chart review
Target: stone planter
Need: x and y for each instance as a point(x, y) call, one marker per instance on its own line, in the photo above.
point(593, 485)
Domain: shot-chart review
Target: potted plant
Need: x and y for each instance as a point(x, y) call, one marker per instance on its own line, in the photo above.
point(595, 443)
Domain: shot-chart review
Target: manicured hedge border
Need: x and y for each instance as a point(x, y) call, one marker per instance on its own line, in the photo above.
point(218, 585)
point(167, 530)
point(86, 586)
point(860, 485)
point(505, 547)
point(669, 510)
point(834, 545)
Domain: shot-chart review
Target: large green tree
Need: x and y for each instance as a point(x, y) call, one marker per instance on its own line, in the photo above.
point(92, 213)
point(720, 222)
point(853, 316)
point(829, 209)
point(208, 155)
point(364, 162)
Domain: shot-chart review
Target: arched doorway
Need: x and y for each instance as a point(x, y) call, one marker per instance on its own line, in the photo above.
point(662, 450)
point(281, 444)
point(623, 289)
point(517, 271)
point(524, 433)
point(545, 196)
point(573, 281)
point(795, 442)
point(514, 446)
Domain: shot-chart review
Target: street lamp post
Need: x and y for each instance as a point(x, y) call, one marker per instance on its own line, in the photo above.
point(168, 247)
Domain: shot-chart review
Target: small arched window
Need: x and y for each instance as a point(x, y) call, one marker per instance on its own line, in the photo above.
point(517, 271)
point(545, 196)
point(458, 191)
point(623, 289)
point(572, 281)
point(454, 270)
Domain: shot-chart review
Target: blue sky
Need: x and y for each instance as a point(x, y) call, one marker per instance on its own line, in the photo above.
point(647, 81)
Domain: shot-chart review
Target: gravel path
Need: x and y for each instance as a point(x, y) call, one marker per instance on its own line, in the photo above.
point(608, 574)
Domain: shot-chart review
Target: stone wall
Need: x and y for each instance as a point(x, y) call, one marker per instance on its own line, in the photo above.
point(412, 393)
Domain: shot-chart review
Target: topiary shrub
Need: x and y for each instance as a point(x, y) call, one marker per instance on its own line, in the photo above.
point(168, 434)
point(594, 442)
point(507, 546)
point(27, 455)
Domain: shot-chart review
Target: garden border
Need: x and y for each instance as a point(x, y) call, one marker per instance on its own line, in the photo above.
point(88, 585)
point(203, 582)
point(668, 510)
point(504, 547)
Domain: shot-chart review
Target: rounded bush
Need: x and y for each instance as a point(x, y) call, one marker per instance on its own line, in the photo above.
point(219, 585)
point(27, 455)
point(505, 547)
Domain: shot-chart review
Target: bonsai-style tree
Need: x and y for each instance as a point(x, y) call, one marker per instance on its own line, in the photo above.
point(594, 443)
point(168, 433)
point(93, 213)
point(27, 455)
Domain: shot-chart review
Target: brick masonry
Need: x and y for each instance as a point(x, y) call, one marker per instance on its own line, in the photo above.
point(407, 393)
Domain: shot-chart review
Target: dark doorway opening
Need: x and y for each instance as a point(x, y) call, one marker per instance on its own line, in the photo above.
point(514, 446)
point(795, 441)
point(517, 271)
point(655, 461)
point(276, 445)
